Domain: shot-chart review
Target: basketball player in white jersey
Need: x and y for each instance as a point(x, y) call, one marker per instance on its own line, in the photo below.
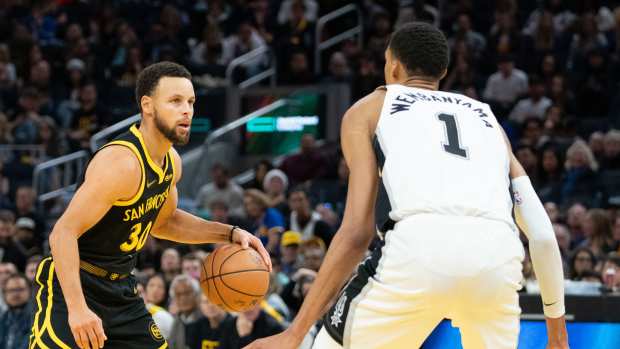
point(453, 249)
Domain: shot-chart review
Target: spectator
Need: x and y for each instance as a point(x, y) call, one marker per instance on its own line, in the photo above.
point(286, 12)
point(245, 40)
point(586, 39)
point(562, 17)
point(25, 129)
point(313, 253)
point(5, 60)
point(561, 95)
point(332, 195)
point(305, 220)
point(170, 264)
point(563, 238)
point(6, 269)
point(574, 219)
point(191, 266)
point(532, 132)
point(611, 273)
point(219, 213)
point(250, 325)
point(297, 32)
point(553, 212)
point(32, 264)
point(529, 160)
point(305, 165)
point(275, 185)
point(551, 174)
point(208, 52)
point(209, 330)
point(541, 41)
point(597, 230)
point(260, 170)
point(298, 71)
point(506, 85)
point(460, 77)
point(295, 291)
point(533, 106)
point(185, 295)
point(289, 251)
point(597, 144)
point(25, 197)
point(580, 180)
point(25, 239)
point(15, 322)
point(90, 117)
point(582, 261)
point(155, 292)
point(8, 248)
point(222, 188)
point(338, 69)
point(611, 151)
point(266, 222)
point(368, 77)
point(380, 33)
point(593, 86)
point(474, 40)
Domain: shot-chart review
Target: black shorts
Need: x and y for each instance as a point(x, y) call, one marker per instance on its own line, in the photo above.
point(126, 322)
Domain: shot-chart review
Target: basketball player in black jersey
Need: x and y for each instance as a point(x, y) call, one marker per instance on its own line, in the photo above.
point(86, 295)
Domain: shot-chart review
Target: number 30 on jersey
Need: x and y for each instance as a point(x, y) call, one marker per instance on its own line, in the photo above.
point(137, 238)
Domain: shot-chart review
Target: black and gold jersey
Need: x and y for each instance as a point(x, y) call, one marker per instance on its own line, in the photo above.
point(114, 241)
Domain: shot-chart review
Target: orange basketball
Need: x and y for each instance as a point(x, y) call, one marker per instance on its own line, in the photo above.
point(233, 278)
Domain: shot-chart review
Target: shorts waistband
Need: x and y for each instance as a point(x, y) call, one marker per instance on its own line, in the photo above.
point(100, 272)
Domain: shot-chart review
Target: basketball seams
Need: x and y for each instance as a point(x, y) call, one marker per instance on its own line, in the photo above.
point(236, 290)
point(215, 284)
point(234, 272)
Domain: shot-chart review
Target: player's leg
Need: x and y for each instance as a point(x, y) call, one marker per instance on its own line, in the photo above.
point(50, 327)
point(139, 333)
point(489, 313)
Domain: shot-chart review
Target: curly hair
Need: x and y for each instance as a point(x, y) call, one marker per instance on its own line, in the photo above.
point(421, 48)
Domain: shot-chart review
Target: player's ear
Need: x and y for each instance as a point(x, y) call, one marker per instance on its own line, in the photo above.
point(443, 74)
point(146, 103)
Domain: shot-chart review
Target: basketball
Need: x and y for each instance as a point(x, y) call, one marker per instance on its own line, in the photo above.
point(233, 278)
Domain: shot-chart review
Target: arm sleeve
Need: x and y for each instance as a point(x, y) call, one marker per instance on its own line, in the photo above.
point(532, 218)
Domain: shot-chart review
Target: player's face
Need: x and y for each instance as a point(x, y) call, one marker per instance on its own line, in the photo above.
point(173, 108)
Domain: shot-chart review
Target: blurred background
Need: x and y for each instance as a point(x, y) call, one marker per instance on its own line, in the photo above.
point(273, 79)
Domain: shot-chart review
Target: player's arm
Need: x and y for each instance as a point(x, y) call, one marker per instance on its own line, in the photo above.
point(113, 174)
point(357, 229)
point(533, 220)
point(177, 225)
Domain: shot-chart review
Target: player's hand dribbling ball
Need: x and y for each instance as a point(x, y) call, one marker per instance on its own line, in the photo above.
point(234, 278)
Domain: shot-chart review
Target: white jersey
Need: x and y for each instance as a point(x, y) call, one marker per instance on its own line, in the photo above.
point(442, 153)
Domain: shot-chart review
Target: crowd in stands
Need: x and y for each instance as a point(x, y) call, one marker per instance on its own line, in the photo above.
point(549, 69)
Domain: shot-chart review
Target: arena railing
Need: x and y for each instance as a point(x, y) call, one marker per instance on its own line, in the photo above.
point(321, 46)
point(103, 136)
point(255, 54)
point(54, 178)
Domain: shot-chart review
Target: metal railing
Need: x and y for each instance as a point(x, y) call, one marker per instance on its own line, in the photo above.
point(53, 178)
point(245, 58)
point(319, 46)
point(102, 137)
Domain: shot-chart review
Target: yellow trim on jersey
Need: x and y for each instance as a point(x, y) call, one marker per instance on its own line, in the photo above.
point(35, 325)
point(47, 323)
point(135, 150)
point(152, 163)
point(154, 309)
point(171, 157)
point(164, 346)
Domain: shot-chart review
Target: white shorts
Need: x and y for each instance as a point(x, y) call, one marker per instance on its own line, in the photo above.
point(432, 267)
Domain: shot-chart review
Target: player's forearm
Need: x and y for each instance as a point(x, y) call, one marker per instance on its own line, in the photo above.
point(64, 249)
point(345, 252)
point(186, 228)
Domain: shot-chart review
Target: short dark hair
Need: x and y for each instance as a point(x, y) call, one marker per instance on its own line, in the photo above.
point(422, 48)
point(150, 76)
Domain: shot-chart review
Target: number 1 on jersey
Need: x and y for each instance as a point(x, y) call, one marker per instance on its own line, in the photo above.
point(453, 146)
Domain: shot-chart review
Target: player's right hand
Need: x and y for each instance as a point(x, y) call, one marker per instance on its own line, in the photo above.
point(87, 329)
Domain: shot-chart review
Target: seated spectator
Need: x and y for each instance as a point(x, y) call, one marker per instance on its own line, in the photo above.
point(88, 119)
point(32, 264)
point(297, 31)
point(338, 69)
point(6, 269)
point(611, 151)
point(596, 142)
point(260, 170)
point(553, 212)
point(8, 248)
point(185, 300)
point(379, 34)
point(15, 325)
point(25, 239)
point(250, 325)
point(155, 291)
point(474, 40)
point(243, 41)
point(580, 181)
point(310, 10)
point(582, 261)
point(504, 87)
point(305, 220)
point(368, 76)
point(529, 160)
point(532, 132)
point(305, 165)
point(208, 52)
point(27, 116)
point(170, 264)
point(533, 106)
point(68, 91)
point(289, 250)
point(219, 212)
point(593, 89)
point(561, 95)
point(295, 291)
point(597, 230)
point(275, 185)
point(191, 266)
point(575, 216)
point(222, 188)
point(267, 223)
point(298, 70)
point(551, 175)
point(210, 329)
point(313, 252)
point(611, 273)
point(563, 238)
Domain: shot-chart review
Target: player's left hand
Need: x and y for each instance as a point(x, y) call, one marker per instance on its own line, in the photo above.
point(245, 239)
point(284, 340)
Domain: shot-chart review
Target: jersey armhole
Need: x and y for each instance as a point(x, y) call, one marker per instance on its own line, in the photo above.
point(142, 172)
